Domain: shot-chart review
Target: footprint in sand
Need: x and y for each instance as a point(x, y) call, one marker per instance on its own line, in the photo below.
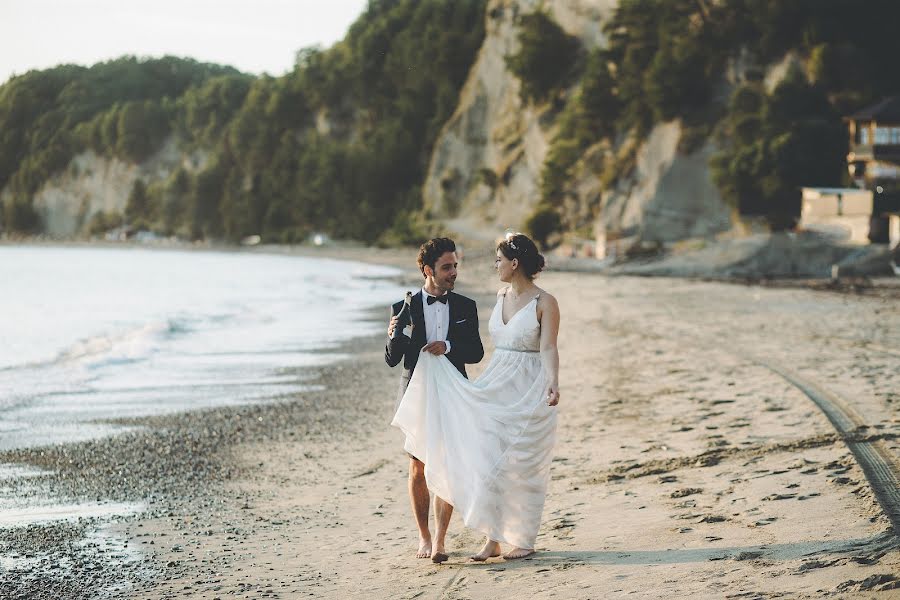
point(681, 493)
point(712, 519)
point(771, 497)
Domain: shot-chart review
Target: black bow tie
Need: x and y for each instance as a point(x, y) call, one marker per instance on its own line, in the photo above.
point(433, 299)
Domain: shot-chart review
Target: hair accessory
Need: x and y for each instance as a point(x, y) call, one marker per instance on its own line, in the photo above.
point(510, 234)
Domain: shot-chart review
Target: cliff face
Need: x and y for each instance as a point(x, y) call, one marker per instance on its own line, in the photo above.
point(668, 197)
point(486, 164)
point(92, 184)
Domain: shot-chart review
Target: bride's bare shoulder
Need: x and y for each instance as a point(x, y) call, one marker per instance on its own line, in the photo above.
point(502, 291)
point(546, 299)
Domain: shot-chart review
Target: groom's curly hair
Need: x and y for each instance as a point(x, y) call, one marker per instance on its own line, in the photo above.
point(432, 250)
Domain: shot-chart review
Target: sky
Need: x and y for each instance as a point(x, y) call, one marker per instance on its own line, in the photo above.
point(255, 36)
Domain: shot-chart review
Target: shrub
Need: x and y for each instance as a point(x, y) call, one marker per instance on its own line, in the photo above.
point(19, 216)
point(557, 171)
point(543, 223)
point(102, 222)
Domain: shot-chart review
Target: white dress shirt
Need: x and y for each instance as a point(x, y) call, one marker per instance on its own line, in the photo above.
point(437, 320)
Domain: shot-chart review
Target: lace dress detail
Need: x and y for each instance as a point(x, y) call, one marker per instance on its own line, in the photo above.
point(487, 443)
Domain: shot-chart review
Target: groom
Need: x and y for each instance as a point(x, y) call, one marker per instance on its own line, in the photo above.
point(443, 323)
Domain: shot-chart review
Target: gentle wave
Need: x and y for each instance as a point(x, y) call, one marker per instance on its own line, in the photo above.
point(135, 344)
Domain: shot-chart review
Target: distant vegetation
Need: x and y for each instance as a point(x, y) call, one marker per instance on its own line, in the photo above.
point(342, 143)
point(123, 107)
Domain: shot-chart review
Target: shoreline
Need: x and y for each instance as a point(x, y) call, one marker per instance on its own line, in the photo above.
point(307, 497)
point(884, 286)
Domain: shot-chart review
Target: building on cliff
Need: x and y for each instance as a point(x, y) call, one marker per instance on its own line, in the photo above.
point(874, 163)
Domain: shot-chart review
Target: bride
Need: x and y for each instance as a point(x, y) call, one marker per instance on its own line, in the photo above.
point(487, 443)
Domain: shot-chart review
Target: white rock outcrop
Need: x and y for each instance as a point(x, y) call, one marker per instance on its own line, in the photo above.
point(92, 183)
point(669, 197)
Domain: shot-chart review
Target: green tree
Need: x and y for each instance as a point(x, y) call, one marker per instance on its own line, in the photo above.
point(598, 101)
point(206, 196)
point(547, 59)
point(677, 79)
point(140, 129)
point(175, 201)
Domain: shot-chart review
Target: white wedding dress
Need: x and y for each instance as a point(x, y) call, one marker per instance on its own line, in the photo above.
point(487, 443)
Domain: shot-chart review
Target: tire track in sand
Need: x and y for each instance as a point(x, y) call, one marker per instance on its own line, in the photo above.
point(880, 466)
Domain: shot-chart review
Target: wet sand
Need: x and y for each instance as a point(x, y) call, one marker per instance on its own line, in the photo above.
point(693, 460)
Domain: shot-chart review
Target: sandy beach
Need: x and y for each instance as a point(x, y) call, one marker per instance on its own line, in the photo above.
point(716, 441)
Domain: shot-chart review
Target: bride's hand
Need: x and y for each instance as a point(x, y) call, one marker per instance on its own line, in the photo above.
point(553, 394)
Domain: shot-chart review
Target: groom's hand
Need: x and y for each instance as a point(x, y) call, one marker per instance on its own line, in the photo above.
point(392, 325)
point(436, 348)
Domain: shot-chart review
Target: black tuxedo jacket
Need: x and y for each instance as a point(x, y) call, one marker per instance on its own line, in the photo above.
point(465, 341)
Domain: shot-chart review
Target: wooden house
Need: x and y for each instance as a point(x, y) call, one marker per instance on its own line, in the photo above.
point(874, 162)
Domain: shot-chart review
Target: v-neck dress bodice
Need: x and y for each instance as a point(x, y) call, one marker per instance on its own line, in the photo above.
point(523, 331)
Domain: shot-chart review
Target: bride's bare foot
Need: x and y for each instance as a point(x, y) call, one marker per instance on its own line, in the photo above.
point(424, 548)
point(489, 550)
point(518, 553)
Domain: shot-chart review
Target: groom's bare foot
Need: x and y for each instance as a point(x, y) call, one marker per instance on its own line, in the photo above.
point(490, 549)
point(424, 548)
point(518, 553)
point(438, 554)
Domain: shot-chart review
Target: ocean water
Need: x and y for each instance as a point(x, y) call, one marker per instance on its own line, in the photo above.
point(91, 334)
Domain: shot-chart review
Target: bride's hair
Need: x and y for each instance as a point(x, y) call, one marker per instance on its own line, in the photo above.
point(521, 246)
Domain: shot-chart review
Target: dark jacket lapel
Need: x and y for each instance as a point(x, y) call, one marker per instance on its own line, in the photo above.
point(453, 310)
point(418, 320)
point(457, 312)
